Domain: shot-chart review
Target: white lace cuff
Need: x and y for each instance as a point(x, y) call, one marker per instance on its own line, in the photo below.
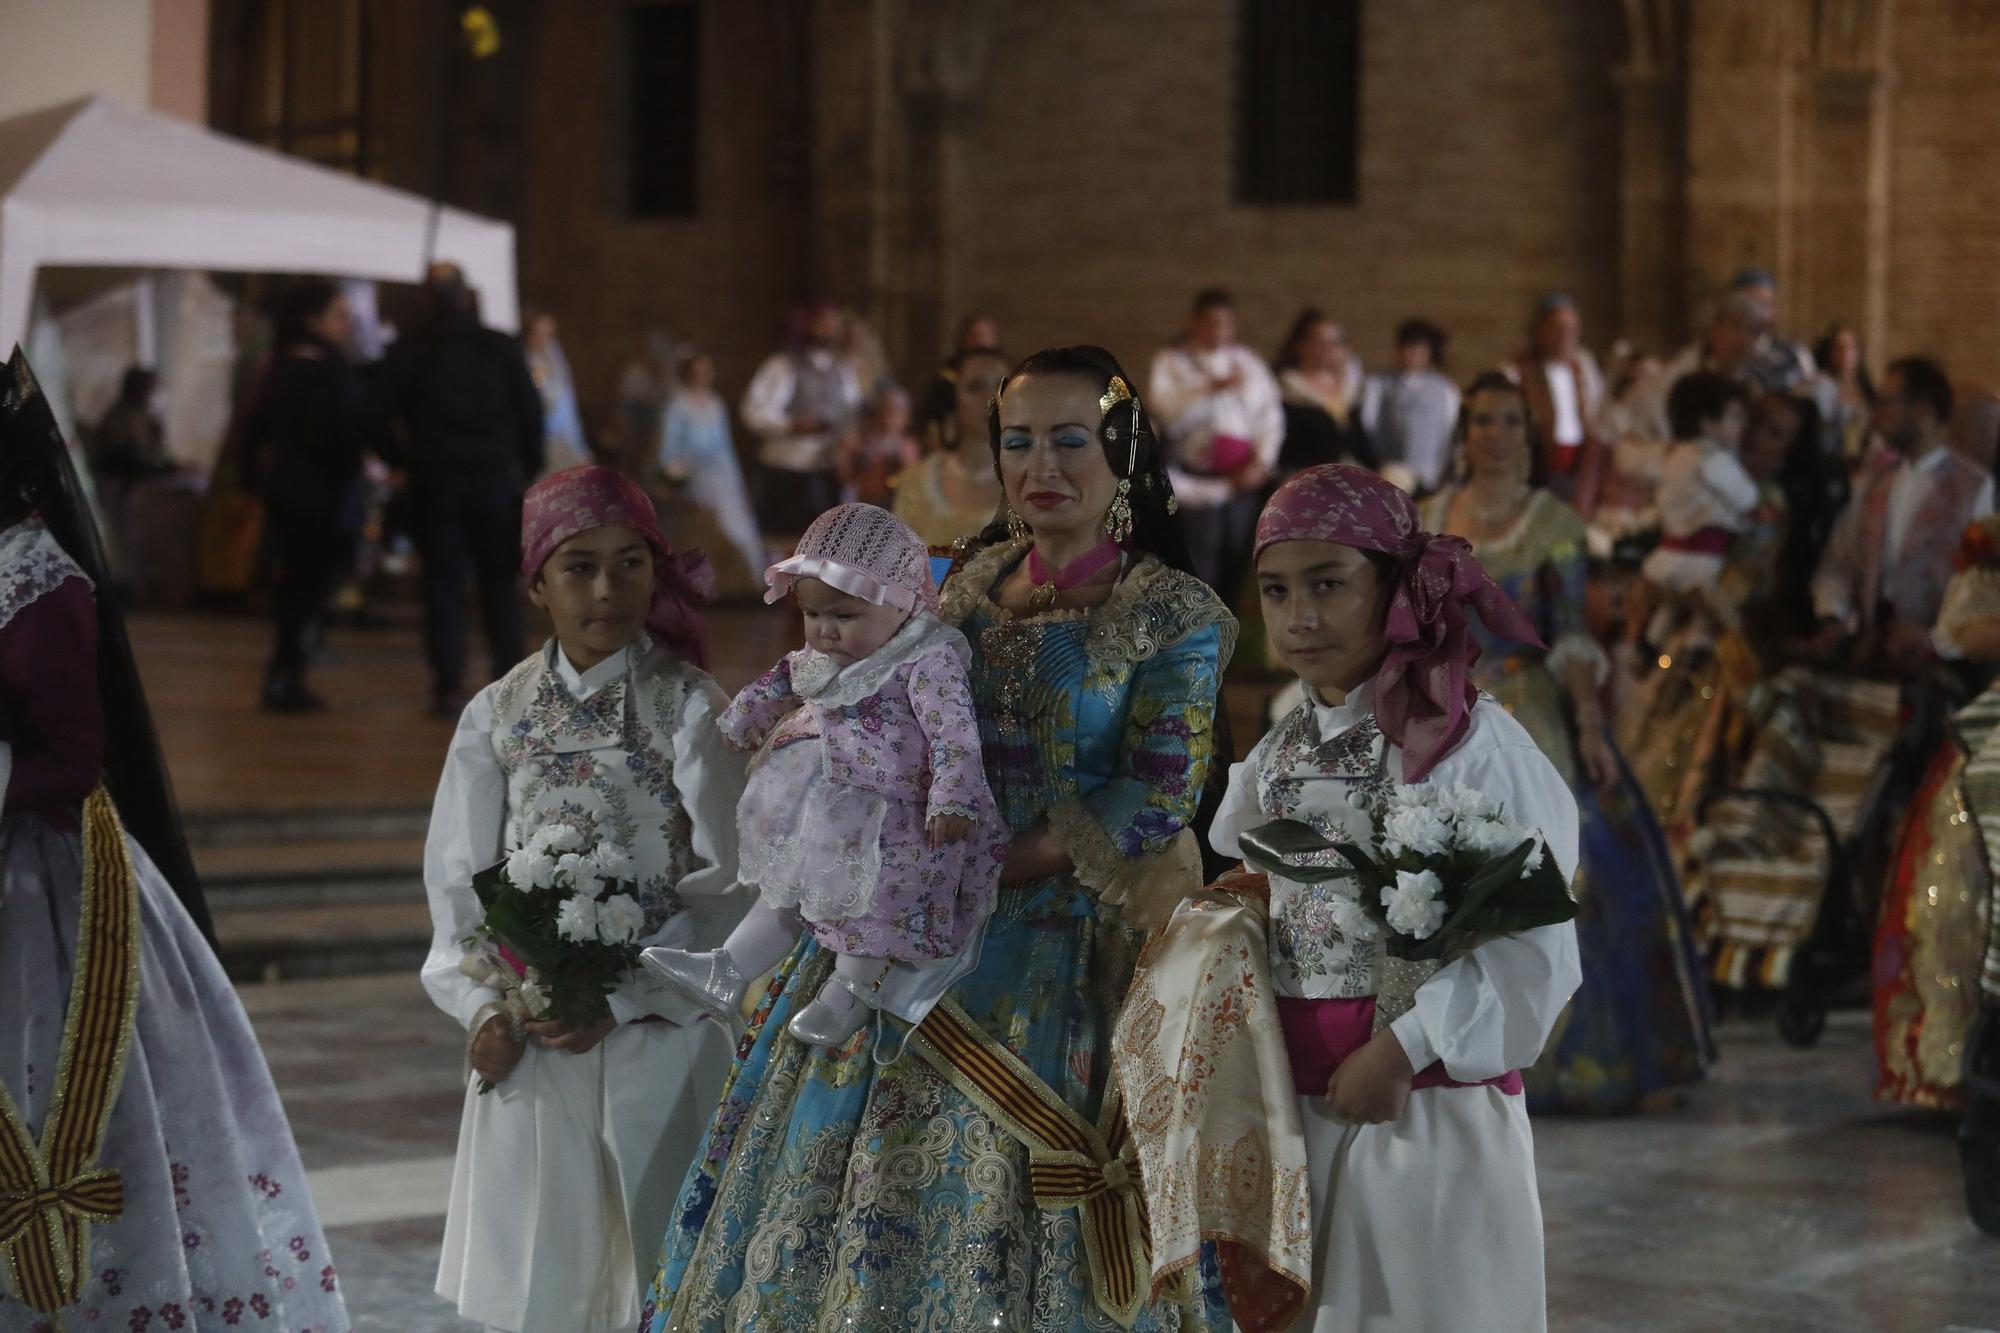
point(1145, 888)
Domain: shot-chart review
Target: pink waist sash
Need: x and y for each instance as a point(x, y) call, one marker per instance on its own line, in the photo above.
point(1319, 1034)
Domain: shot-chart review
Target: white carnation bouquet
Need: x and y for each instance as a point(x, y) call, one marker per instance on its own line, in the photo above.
point(1446, 872)
point(561, 927)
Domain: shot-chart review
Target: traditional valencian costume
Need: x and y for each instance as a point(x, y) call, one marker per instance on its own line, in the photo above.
point(566, 1170)
point(1430, 1221)
point(148, 1177)
point(1639, 1024)
point(980, 1180)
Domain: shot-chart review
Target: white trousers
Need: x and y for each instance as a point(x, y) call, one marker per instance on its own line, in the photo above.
point(567, 1174)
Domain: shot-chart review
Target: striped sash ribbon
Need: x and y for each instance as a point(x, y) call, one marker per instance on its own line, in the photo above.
point(1071, 1163)
point(50, 1193)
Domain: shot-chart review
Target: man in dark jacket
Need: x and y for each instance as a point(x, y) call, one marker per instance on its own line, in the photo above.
point(471, 439)
point(310, 425)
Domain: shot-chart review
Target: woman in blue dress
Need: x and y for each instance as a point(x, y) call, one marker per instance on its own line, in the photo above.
point(836, 1192)
point(1638, 1026)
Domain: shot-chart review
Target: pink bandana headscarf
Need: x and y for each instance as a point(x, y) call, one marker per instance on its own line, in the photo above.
point(866, 552)
point(1423, 691)
point(581, 498)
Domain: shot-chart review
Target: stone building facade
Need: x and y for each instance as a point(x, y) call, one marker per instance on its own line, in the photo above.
point(1068, 167)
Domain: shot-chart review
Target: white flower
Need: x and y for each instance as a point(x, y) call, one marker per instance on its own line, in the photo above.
point(575, 872)
point(1415, 828)
point(1461, 803)
point(530, 868)
point(613, 862)
point(576, 920)
point(559, 838)
point(1493, 837)
point(619, 919)
point(1414, 907)
point(1535, 857)
point(1350, 918)
point(534, 996)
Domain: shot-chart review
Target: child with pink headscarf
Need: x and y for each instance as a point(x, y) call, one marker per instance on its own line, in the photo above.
point(1420, 1163)
point(867, 819)
point(566, 1170)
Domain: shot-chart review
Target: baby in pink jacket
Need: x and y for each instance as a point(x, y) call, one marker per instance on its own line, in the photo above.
point(866, 819)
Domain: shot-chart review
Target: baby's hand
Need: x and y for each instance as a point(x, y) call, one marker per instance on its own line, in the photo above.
point(949, 828)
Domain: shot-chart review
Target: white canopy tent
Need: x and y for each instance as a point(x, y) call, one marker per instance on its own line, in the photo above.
point(91, 182)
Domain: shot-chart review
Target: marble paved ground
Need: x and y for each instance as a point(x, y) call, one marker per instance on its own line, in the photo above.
point(1779, 1198)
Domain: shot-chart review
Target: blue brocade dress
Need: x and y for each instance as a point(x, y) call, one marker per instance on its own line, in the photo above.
point(833, 1193)
point(1640, 1022)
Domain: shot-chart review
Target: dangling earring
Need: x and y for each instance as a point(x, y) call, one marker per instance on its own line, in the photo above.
point(1118, 518)
point(1017, 527)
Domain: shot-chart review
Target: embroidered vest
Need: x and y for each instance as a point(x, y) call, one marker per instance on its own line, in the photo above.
point(1328, 784)
point(1912, 580)
point(603, 765)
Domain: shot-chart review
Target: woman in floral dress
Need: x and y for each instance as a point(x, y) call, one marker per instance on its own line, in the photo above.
point(1639, 1023)
point(836, 1191)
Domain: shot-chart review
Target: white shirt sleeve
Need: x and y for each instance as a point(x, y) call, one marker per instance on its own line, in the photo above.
point(769, 395)
point(1239, 811)
point(1266, 404)
point(709, 776)
point(1177, 393)
point(1492, 1010)
point(1982, 503)
point(1724, 476)
point(468, 823)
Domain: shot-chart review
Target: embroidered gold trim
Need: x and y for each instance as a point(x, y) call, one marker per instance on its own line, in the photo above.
point(1146, 887)
point(49, 1195)
point(1071, 1163)
point(1152, 607)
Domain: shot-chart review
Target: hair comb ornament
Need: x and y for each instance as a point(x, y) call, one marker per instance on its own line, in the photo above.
point(1114, 393)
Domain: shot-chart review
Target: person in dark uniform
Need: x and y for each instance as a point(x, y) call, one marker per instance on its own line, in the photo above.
point(470, 421)
point(308, 433)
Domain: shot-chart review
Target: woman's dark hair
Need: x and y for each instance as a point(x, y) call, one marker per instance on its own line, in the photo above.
point(1288, 351)
point(1496, 381)
point(1822, 354)
point(1127, 436)
point(1698, 396)
point(939, 406)
point(1816, 489)
point(137, 386)
point(302, 302)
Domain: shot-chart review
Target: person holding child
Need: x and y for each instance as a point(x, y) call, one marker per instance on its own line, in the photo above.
point(837, 1190)
point(1424, 1207)
point(566, 1170)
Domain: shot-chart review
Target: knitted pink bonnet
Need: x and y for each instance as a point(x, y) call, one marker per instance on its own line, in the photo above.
point(866, 552)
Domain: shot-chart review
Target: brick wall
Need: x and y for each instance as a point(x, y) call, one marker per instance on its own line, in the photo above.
point(720, 279)
point(1944, 196)
point(1098, 165)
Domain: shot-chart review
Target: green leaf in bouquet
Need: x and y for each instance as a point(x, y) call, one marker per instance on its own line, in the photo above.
point(1270, 847)
point(506, 921)
point(490, 883)
point(1482, 910)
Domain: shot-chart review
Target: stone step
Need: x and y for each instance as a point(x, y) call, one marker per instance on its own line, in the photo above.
point(214, 829)
point(329, 940)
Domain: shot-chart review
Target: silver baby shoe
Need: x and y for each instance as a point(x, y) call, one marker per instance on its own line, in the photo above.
point(710, 978)
point(820, 1024)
